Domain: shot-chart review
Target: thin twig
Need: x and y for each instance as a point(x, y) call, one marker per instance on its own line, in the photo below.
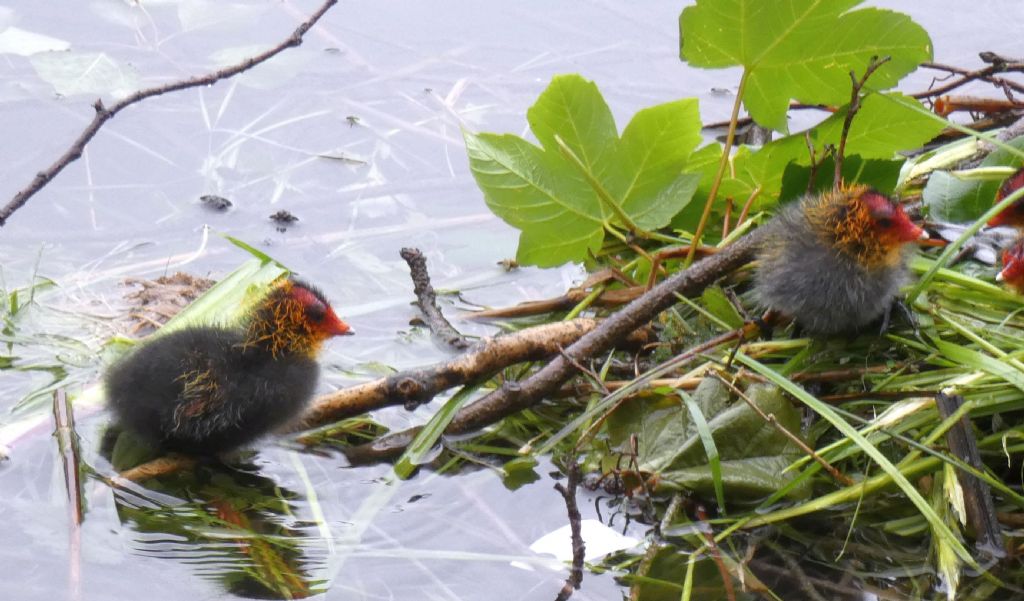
point(770, 419)
point(104, 114)
point(579, 548)
point(427, 301)
point(514, 397)
point(984, 74)
point(851, 111)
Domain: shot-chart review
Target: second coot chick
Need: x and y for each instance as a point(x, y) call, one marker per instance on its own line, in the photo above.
point(210, 389)
point(834, 262)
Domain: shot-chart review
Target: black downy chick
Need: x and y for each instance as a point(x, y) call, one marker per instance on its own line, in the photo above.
point(205, 390)
point(834, 262)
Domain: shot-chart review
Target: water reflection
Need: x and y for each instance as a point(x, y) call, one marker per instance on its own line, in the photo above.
point(229, 523)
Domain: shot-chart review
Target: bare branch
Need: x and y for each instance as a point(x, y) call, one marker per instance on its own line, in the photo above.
point(104, 114)
point(851, 112)
point(427, 301)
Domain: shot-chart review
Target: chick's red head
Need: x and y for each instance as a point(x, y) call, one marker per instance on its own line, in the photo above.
point(1012, 215)
point(323, 322)
point(888, 220)
point(1013, 267)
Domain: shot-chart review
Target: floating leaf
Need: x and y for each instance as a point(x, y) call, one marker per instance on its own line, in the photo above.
point(92, 73)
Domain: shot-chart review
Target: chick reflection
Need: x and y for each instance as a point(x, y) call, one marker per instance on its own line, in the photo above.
point(229, 522)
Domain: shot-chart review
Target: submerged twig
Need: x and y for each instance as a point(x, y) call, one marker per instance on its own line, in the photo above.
point(426, 300)
point(579, 548)
point(67, 441)
point(104, 114)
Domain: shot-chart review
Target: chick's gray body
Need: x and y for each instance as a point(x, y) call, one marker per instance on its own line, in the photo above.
point(204, 391)
point(823, 289)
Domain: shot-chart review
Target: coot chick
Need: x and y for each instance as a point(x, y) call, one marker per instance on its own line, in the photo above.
point(833, 262)
point(1013, 267)
point(205, 390)
point(1012, 215)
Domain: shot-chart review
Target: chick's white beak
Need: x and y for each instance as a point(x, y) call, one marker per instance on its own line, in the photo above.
point(999, 277)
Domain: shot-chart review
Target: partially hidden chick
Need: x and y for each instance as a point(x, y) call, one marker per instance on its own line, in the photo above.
point(1013, 267)
point(1012, 215)
point(1013, 257)
point(834, 262)
point(205, 390)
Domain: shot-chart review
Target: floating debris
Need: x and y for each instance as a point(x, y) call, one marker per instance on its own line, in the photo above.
point(214, 202)
point(283, 219)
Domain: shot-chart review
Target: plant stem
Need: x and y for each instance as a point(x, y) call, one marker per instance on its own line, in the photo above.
point(729, 138)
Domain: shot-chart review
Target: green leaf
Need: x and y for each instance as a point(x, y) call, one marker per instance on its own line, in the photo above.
point(949, 198)
point(751, 453)
point(879, 174)
point(655, 146)
point(573, 108)
point(558, 214)
point(719, 305)
point(584, 179)
point(802, 49)
point(880, 129)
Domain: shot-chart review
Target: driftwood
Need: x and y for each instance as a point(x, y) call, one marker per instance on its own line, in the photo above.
point(413, 388)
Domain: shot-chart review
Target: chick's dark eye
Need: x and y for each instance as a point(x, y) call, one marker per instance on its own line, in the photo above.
point(884, 222)
point(316, 311)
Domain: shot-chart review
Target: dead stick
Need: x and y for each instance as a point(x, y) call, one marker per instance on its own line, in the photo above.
point(426, 300)
point(513, 397)
point(104, 114)
point(579, 548)
point(981, 510)
point(412, 388)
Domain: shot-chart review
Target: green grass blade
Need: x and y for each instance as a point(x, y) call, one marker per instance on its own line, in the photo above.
point(939, 528)
point(428, 436)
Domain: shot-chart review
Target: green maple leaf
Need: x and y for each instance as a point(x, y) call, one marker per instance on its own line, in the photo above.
point(584, 179)
point(799, 49)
